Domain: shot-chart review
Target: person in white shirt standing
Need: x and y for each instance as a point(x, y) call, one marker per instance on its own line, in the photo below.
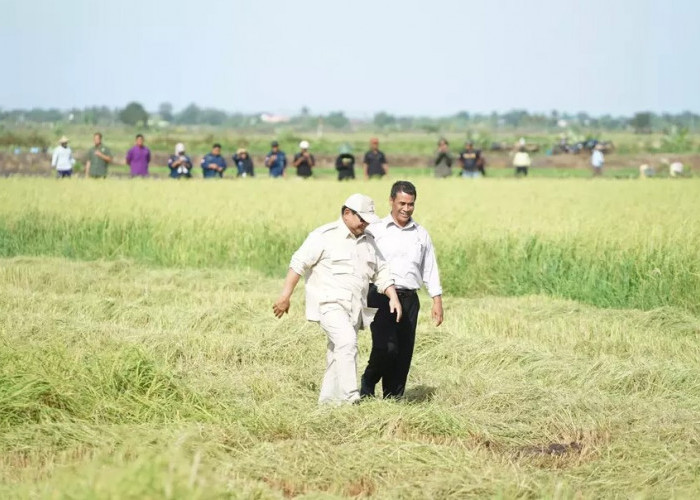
point(338, 261)
point(521, 161)
point(409, 250)
point(597, 160)
point(62, 159)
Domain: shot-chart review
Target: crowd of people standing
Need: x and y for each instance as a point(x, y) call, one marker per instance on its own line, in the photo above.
point(213, 164)
point(470, 162)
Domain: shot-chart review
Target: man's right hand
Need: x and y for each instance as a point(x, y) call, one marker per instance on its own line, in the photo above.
point(282, 306)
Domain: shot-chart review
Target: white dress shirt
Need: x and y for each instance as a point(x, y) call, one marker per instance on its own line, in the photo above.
point(62, 159)
point(410, 253)
point(338, 267)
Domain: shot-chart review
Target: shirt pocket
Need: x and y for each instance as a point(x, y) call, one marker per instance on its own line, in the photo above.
point(341, 263)
point(335, 295)
point(335, 298)
point(416, 253)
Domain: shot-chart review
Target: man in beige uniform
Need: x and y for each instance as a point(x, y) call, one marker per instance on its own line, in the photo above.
point(338, 261)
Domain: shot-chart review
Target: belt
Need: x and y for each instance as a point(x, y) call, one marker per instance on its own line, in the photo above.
point(405, 292)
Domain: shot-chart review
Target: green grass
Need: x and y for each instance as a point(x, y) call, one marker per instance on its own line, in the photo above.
point(139, 357)
point(607, 243)
point(118, 380)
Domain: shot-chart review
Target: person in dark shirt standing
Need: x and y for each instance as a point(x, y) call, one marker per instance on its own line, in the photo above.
point(98, 159)
point(180, 164)
point(213, 164)
point(276, 160)
point(470, 159)
point(304, 161)
point(345, 163)
point(375, 161)
point(443, 160)
point(244, 163)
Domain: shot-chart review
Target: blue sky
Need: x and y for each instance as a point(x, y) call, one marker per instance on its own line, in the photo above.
point(402, 56)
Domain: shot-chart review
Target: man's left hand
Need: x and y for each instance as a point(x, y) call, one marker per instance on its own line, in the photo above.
point(436, 311)
point(395, 306)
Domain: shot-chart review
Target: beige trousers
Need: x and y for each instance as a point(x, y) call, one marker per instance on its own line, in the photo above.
point(340, 380)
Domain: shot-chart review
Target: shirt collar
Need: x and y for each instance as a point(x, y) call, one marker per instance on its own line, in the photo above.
point(345, 233)
point(389, 220)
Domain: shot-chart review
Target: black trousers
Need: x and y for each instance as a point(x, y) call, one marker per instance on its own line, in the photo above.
point(392, 344)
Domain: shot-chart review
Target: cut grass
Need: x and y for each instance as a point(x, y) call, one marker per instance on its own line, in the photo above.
point(122, 380)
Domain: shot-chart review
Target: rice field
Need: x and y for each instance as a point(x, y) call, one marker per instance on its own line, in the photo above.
point(139, 357)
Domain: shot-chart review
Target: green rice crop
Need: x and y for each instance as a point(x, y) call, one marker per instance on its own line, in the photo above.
point(139, 357)
point(611, 244)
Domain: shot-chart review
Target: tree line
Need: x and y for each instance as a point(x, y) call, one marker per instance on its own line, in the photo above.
point(135, 114)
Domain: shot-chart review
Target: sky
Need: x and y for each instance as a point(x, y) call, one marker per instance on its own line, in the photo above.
point(405, 57)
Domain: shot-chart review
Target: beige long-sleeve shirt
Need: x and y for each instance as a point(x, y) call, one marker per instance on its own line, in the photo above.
point(338, 267)
point(521, 159)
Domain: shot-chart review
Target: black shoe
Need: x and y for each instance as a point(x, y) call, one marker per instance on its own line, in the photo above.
point(366, 391)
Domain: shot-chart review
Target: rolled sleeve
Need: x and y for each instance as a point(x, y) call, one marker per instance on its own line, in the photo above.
point(382, 279)
point(307, 255)
point(431, 273)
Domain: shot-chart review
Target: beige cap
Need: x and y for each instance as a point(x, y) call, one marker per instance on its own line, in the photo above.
point(63, 139)
point(179, 148)
point(363, 205)
point(241, 151)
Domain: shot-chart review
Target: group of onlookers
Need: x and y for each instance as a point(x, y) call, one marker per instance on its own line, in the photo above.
point(98, 158)
point(471, 161)
point(213, 164)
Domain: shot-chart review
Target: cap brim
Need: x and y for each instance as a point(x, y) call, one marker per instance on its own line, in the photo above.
point(369, 217)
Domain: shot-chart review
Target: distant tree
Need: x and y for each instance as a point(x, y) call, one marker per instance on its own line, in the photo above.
point(133, 114)
point(337, 119)
point(641, 122)
point(430, 128)
point(165, 111)
point(44, 115)
point(515, 117)
point(383, 119)
point(462, 115)
point(212, 116)
point(189, 115)
point(305, 111)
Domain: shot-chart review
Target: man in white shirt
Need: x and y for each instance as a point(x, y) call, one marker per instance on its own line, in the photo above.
point(62, 159)
point(409, 250)
point(597, 160)
point(338, 261)
point(521, 161)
